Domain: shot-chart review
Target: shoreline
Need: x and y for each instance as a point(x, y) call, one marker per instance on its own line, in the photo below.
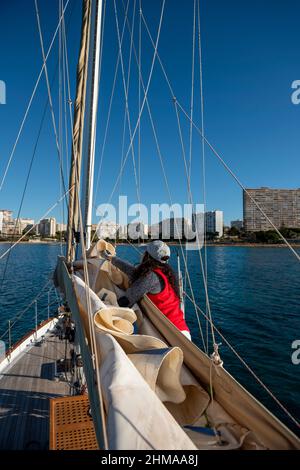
point(221, 244)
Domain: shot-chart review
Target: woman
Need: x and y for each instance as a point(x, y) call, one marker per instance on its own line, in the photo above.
point(155, 278)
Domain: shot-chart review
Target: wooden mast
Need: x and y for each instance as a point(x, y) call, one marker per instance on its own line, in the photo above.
point(79, 110)
point(84, 128)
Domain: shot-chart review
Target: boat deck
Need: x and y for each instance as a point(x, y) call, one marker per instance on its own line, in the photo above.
point(25, 389)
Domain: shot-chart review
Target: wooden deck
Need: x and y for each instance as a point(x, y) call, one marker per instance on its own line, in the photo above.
point(25, 389)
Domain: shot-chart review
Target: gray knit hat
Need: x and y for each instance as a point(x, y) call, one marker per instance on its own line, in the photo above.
point(158, 250)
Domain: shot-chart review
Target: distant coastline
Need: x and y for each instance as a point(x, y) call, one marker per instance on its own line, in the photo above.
point(222, 244)
point(210, 244)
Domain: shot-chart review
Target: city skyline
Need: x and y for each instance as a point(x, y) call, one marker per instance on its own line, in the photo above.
point(281, 206)
point(251, 124)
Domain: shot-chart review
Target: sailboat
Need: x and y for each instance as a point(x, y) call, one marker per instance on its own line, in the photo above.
point(142, 383)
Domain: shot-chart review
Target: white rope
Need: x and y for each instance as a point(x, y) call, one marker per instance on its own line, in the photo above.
point(139, 97)
point(192, 92)
point(65, 96)
point(166, 182)
point(30, 103)
point(109, 109)
point(60, 122)
point(248, 367)
point(213, 149)
point(168, 188)
point(185, 261)
point(126, 89)
point(176, 224)
point(191, 299)
point(202, 148)
point(96, 362)
point(192, 203)
point(176, 102)
point(50, 95)
point(241, 185)
point(191, 107)
point(146, 90)
point(142, 107)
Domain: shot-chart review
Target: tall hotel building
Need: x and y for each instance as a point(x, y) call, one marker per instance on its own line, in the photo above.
point(282, 206)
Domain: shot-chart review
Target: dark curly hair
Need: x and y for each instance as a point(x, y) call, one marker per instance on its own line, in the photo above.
point(148, 264)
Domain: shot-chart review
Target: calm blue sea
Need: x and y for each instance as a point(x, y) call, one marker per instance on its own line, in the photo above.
point(254, 296)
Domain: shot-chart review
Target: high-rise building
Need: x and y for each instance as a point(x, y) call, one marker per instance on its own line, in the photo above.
point(214, 222)
point(7, 224)
point(24, 225)
point(6, 214)
point(178, 228)
point(61, 227)
point(47, 227)
point(282, 206)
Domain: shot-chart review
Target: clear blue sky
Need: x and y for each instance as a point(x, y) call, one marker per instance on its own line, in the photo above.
point(251, 56)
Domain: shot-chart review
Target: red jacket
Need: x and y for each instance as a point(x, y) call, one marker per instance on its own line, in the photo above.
point(168, 303)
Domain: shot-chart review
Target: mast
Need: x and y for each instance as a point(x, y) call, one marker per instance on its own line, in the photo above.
point(84, 128)
point(79, 109)
point(89, 131)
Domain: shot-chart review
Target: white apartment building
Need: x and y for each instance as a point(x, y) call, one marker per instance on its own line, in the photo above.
point(214, 222)
point(24, 224)
point(47, 227)
point(61, 227)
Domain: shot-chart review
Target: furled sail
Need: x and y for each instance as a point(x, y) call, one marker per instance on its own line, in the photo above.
point(79, 113)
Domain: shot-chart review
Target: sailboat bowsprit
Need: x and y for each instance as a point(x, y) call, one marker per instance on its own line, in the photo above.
point(148, 386)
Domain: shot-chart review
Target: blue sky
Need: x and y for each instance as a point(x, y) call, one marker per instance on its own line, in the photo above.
point(251, 57)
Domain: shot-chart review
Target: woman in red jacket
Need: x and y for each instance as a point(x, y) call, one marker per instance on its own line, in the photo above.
point(155, 278)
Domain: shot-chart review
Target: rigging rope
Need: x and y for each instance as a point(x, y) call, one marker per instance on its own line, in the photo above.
point(109, 110)
point(60, 116)
point(50, 97)
point(202, 147)
point(187, 173)
point(142, 107)
point(145, 94)
point(167, 186)
point(191, 202)
point(214, 151)
point(30, 103)
point(139, 98)
point(26, 183)
point(248, 367)
point(95, 359)
point(211, 146)
point(126, 89)
point(191, 107)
